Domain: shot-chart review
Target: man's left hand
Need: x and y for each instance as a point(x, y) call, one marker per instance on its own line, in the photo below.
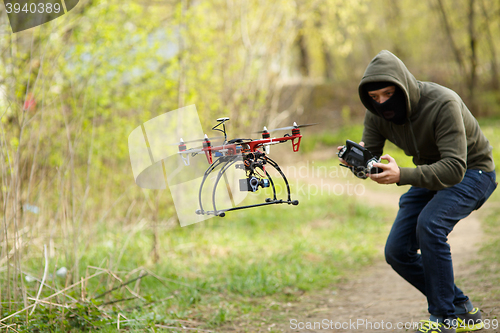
point(390, 172)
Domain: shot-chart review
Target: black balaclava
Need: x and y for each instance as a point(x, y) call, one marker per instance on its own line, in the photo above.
point(393, 109)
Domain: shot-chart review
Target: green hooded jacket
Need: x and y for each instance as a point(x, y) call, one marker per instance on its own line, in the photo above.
point(440, 133)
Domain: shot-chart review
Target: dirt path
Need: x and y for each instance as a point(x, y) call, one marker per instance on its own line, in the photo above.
point(377, 296)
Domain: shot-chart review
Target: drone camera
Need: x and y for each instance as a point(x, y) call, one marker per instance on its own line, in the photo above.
point(252, 184)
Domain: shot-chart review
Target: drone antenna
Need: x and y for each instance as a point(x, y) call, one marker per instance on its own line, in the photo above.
point(223, 130)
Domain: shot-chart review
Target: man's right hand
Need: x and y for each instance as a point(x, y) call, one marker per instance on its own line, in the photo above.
point(362, 144)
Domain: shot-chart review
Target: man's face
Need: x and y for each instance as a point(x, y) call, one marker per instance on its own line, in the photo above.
point(382, 95)
point(389, 102)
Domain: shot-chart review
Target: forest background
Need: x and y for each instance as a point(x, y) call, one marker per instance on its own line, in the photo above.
point(73, 89)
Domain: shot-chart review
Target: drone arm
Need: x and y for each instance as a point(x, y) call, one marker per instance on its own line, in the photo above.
point(254, 145)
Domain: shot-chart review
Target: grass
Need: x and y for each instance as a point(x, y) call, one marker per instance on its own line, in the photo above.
point(215, 272)
point(490, 253)
point(483, 281)
point(490, 249)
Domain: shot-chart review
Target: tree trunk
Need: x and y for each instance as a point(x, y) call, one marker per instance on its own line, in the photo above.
point(491, 45)
point(473, 55)
point(303, 55)
point(456, 51)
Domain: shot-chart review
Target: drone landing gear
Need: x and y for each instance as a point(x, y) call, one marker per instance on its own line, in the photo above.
point(293, 202)
point(269, 201)
point(228, 162)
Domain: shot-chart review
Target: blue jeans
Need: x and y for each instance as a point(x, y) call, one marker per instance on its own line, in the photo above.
point(424, 220)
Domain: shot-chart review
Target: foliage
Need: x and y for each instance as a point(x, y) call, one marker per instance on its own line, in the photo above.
point(218, 271)
point(74, 88)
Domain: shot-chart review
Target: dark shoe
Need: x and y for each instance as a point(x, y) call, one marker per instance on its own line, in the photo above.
point(470, 321)
point(427, 326)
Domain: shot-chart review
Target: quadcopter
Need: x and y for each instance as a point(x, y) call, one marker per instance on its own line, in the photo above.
point(249, 155)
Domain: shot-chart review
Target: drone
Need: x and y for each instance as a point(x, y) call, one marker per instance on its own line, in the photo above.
point(250, 155)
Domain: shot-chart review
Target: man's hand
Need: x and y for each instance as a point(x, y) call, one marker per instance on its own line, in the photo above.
point(390, 174)
point(362, 144)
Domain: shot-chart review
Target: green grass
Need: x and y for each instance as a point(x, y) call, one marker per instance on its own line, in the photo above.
point(489, 254)
point(490, 250)
point(221, 270)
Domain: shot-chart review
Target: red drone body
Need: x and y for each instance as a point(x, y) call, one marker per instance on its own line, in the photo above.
point(247, 151)
point(244, 145)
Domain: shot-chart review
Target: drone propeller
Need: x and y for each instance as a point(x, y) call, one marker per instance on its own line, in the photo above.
point(285, 128)
point(197, 140)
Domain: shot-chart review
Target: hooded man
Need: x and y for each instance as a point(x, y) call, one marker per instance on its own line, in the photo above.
point(454, 175)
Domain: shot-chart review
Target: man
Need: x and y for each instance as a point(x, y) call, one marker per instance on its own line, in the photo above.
point(454, 175)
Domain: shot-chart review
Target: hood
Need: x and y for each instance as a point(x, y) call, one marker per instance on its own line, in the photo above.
point(387, 67)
